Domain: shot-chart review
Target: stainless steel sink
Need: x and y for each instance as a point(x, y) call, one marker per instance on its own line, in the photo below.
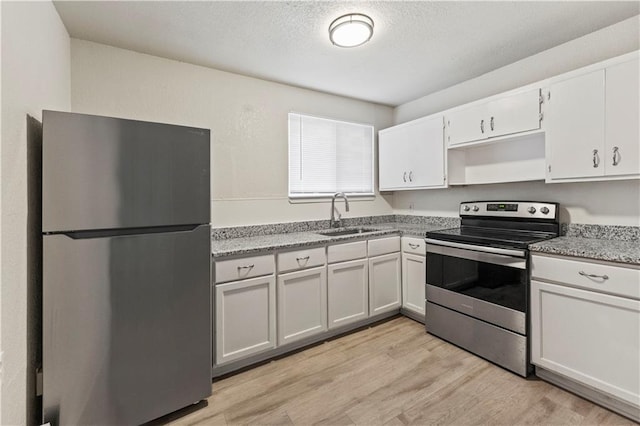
point(339, 232)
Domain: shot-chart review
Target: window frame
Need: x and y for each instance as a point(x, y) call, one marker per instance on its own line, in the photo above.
point(299, 197)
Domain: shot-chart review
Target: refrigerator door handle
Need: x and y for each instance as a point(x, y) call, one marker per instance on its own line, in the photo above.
point(107, 233)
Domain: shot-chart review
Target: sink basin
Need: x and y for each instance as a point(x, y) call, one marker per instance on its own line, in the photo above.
point(339, 232)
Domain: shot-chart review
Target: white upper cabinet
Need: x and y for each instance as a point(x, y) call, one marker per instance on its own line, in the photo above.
point(575, 127)
point(622, 132)
point(592, 130)
point(467, 125)
point(515, 113)
point(392, 161)
point(411, 155)
point(578, 126)
point(504, 115)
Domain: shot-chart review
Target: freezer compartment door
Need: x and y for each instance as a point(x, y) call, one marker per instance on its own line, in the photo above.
point(127, 328)
point(107, 173)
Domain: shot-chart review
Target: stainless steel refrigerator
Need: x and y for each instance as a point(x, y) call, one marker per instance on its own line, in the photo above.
point(126, 269)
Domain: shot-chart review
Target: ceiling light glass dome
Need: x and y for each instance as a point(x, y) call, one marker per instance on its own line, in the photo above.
point(351, 30)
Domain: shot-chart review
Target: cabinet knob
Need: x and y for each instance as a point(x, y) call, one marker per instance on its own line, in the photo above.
point(491, 124)
point(482, 126)
point(596, 159)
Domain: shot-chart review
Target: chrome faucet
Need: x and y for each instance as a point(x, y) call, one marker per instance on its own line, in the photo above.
point(335, 223)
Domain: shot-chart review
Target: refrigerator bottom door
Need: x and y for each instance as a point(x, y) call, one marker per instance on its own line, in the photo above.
point(126, 326)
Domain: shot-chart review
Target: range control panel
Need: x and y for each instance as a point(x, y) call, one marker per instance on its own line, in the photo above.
point(495, 207)
point(521, 209)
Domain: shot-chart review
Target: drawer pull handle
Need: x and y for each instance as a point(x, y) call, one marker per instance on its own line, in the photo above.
point(584, 274)
point(248, 268)
point(414, 246)
point(616, 156)
point(299, 259)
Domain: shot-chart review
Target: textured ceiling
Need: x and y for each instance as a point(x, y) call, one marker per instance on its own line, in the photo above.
point(417, 47)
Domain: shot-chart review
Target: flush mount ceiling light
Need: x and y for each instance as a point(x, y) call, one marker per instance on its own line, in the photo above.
point(351, 30)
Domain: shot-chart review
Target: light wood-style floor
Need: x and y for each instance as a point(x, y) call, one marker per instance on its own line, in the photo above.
point(390, 374)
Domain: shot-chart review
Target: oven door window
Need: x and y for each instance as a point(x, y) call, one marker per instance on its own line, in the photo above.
point(498, 284)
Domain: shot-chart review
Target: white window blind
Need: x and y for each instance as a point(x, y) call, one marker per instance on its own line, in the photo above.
point(329, 156)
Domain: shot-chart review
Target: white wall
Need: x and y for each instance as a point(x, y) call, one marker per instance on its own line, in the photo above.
point(604, 202)
point(35, 76)
point(614, 203)
point(247, 118)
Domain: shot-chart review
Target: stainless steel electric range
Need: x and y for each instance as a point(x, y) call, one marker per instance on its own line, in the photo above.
point(477, 294)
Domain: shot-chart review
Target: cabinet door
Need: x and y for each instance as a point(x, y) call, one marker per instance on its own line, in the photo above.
point(348, 292)
point(384, 283)
point(425, 154)
point(597, 344)
point(467, 125)
point(575, 127)
point(514, 113)
point(245, 318)
point(411, 155)
point(413, 282)
point(622, 112)
point(392, 158)
point(302, 304)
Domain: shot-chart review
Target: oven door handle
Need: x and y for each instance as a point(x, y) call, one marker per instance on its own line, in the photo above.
point(510, 261)
point(484, 249)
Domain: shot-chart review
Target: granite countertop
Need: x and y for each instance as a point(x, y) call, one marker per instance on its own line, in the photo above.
point(255, 244)
point(591, 248)
point(611, 243)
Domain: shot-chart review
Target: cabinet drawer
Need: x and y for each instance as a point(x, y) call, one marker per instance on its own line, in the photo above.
point(414, 245)
point(621, 281)
point(384, 246)
point(247, 267)
point(301, 259)
point(348, 251)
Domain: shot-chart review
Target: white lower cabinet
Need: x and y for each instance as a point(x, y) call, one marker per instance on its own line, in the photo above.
point(245, 318)
point(585, 325)
point(414, 275)
point(384, 283)
point(302, 304)
point(348, 292)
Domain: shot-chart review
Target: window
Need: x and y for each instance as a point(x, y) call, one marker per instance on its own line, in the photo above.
point(329, 156)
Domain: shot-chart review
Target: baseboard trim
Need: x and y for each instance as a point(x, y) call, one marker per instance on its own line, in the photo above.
point(414, 316)
point(598, 397)
point(254, 360)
